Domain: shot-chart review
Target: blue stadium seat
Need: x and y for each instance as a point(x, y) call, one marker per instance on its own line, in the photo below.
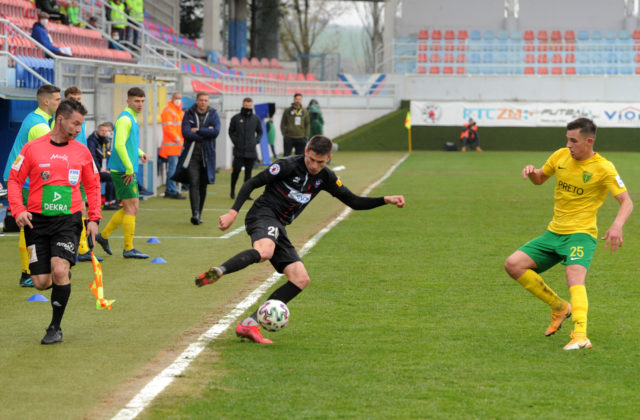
point(488, 35)
point(475, 35)
point(583, 36)
point(626, 70)
point(502, 35)
point(583, 70)
point(596, 36)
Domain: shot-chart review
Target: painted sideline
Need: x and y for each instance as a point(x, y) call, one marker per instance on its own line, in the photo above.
point(164, 378)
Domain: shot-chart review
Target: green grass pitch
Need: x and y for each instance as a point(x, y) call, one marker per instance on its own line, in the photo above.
point(409, 313)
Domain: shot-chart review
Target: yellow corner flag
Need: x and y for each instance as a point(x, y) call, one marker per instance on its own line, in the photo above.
point(407, 121)
point(96, 286)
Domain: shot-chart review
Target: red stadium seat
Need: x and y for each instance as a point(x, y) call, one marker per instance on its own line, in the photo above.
point(244, 62)
point(529, 36)
point(462, 35)
point(271, 76)
point(435, 46)
point(448, 58)
point(447, 70)
point(234, 62)
point(434, 70)
point(461, 58)
point(435, 58)
point(529, 46)
point(436, 34)
point(543, 36)
point(255, 62)
point(529, 70)
point(556, 58)
point(569, 36)
point(264, 62)
point(449, 35)
point(529, 58)
point(310, 77)
point(570, 70)
point(556, 35)
point(275, 63)
point(422, 70)
point(570, 58)
point(636, 35)
point(543, 70)
point(422, 58)
point(556, 70)
point(461, 70)
point(423, 46)
point(423, 34)
point(449, 46)
point(542, 59)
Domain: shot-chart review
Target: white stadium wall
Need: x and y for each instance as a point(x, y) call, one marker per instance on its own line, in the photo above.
point(571, 14)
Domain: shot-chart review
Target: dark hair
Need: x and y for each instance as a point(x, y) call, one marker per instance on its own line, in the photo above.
point(585, 125)
point(247, 99)
point(135, 92)
point(312, 102)
point(106, 124)
point(297, 94)
point(46, 90)
point(199, 94)
point(321, 145)
point(69, 106)
point(72, 90)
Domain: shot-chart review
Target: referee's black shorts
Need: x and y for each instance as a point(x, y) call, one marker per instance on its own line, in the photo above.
point(261, 223)
point(52, 236)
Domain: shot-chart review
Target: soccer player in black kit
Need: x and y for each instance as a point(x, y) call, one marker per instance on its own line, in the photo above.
point(291, 184)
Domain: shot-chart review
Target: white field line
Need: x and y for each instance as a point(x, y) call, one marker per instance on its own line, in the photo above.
point(164, 378)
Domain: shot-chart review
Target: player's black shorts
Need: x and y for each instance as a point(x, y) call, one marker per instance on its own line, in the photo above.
point(52, 236)
point(260, 223)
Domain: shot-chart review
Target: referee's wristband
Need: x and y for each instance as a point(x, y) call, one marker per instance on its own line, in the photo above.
point(97, 222)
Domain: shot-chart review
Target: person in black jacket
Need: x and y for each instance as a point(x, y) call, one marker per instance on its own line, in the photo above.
point(99, 144)
point(197, 162)
point(245, 131)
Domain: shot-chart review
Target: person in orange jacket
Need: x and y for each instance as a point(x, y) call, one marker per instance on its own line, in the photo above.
point(172, 141)
point(470, 136)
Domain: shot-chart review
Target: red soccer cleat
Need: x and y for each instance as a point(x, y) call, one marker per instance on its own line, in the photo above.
point(209, 277)
point(252, 333)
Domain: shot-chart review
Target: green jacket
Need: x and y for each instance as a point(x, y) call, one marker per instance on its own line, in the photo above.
point(118, 15)
point(317, 122)
point(136, 10)
point(288, 125)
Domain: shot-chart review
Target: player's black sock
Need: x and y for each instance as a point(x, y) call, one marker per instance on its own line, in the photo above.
point(240, 261)
point(284, 293)
point(59, 299)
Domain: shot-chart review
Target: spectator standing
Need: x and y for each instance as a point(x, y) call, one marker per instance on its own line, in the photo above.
point(271, 135)
point(172, 142)
point(197, 162)
point(99, 144)
point(118, 17)
point(245, 131)
point(135, 9)
point(39, 33)
point(52, 218)
point(73, 13)
point(295, 127)
point(36, 124)
point(315, 119)
point(52, 9)
point(123, 164)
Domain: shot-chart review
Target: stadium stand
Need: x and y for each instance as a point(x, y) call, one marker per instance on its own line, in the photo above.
point(535, 52)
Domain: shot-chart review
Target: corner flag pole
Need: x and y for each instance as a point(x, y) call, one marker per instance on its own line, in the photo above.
point(407, 124)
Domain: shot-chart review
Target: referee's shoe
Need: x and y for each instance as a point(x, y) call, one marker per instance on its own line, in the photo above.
point(53, 336)
point(134, 253)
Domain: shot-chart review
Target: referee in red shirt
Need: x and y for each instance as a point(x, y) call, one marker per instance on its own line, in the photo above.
point(56, 164)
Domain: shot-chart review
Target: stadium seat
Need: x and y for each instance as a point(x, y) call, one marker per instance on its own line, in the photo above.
point(556, 58)
point(423, 34)
point(556, 70)
point(423, 46)
point(543, 70)
point(463, 35)
point(447, 70)
point(435, 46)
point(476, 35)
point(448, 58)
point(436, 34)
point(435, 58)
point(542, 36)
point(556, 35)
point(434, 70)
point(570, 58)
point(422, 58)
point(449, 46)
point(529, 58)
point(309, 77)
point(421, 70)
point(461, 58)
point(596, 36)
point(529, 36)
point(529, 70)
point(569, 36)
point(461, 70)
point(488, 35)
point(583, 35)
point(542, 59)
point(449, 35)
point(275, 64)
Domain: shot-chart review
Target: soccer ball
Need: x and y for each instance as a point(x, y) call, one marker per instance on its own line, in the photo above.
point(273, 315)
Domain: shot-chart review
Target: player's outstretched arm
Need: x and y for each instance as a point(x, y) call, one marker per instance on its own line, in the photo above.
point(226, 220)
point(398, 200)
point(535, 175)
point(613, 236)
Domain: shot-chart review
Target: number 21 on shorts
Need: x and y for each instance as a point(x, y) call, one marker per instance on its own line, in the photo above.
point(273, 231)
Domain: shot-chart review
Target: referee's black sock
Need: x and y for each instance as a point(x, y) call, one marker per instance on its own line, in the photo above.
point(240, 261)
point(284, 293)
point(59, 299)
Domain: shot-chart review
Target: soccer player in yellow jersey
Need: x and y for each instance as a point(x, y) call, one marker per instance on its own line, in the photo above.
point(583, 179)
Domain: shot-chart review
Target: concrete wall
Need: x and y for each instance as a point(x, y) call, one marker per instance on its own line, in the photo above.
point(517, 88)
point(441, 14)
point(572, 14)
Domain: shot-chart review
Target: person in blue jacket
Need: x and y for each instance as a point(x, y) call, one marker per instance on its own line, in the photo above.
point(40, 34)
point(197, 162)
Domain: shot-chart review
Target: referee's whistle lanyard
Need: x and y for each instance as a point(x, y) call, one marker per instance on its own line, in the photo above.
point(297, 112)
